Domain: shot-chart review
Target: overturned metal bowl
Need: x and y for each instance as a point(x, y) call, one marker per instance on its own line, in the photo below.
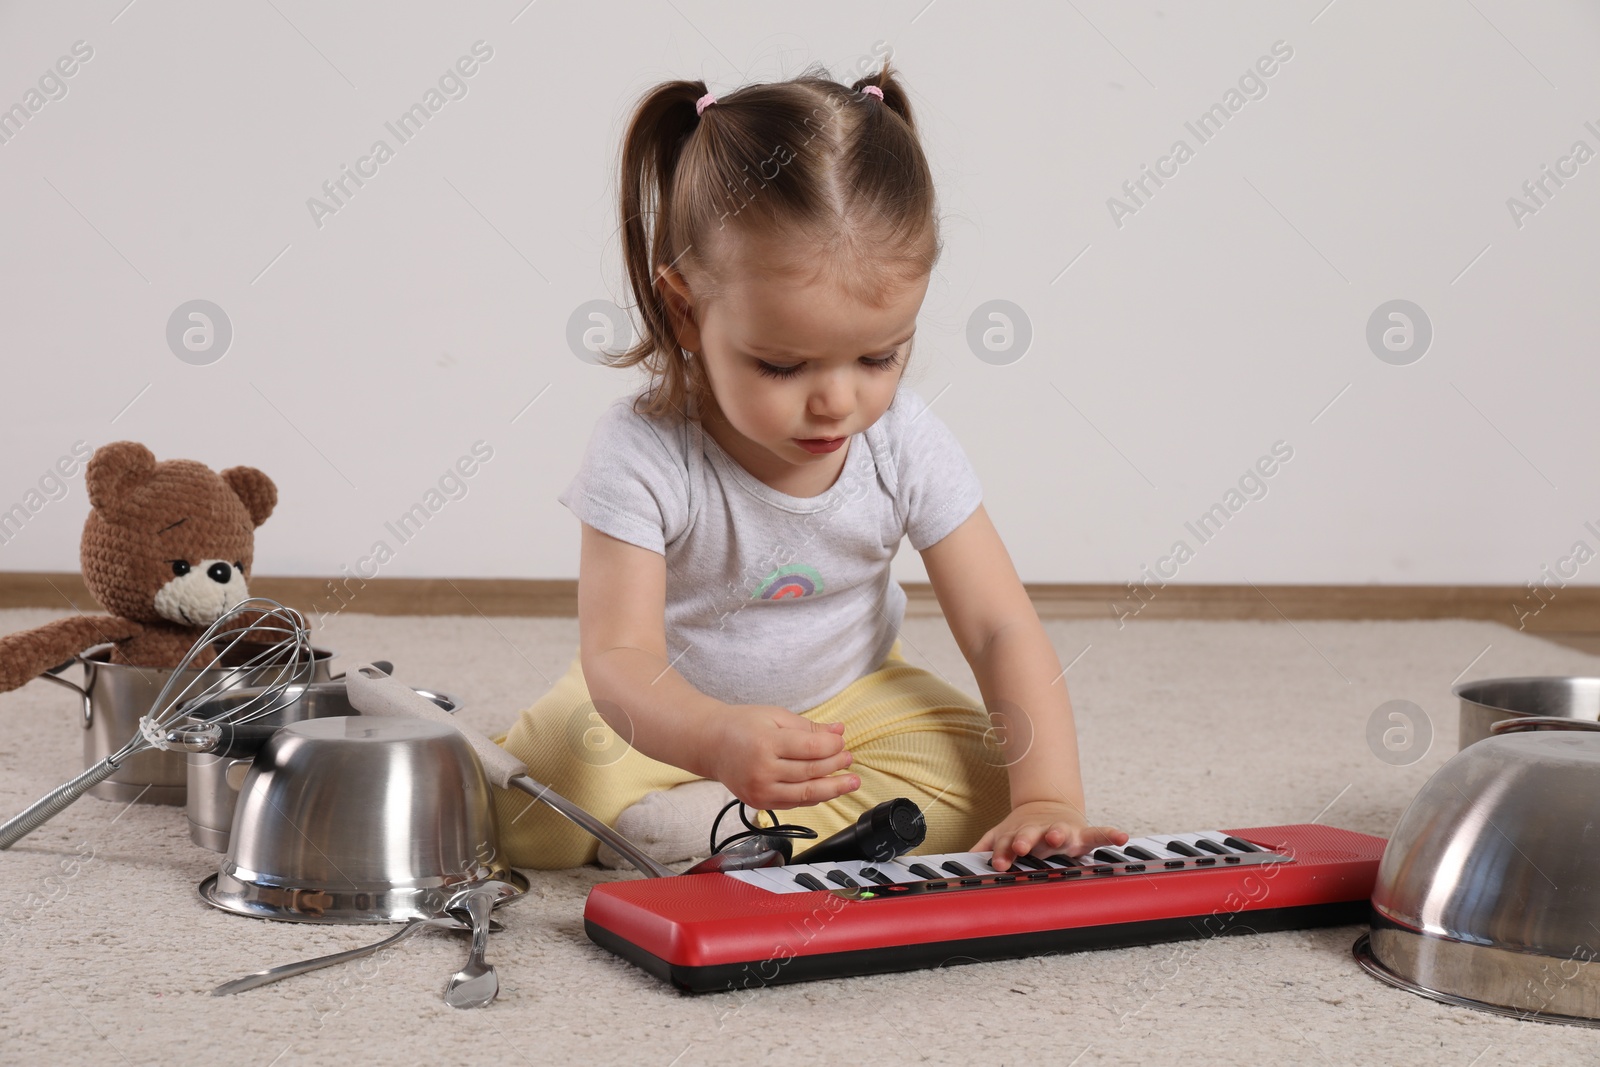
point(1491, 700)
point(215, 776)
point(360, 819)
point(1489, 889)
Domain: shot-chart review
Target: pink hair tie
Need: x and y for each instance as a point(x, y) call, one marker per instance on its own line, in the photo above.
point(874, 90)
point(704, 102)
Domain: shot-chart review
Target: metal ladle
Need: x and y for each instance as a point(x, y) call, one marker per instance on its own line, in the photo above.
point(450, 920)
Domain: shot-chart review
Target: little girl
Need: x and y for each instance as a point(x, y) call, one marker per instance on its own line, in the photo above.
point(739, 630)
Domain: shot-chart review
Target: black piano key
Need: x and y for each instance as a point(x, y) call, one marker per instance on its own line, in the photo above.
point(955, 868)
point(1211, 847)
point(1182, 848)
point(1109, 855)
point(1066, 861)
point(922, 870)
point(808, 880)
point(1139, 853)
point(876, 875)
point(1032, 862)
point(1241, 846)
point(843, 879)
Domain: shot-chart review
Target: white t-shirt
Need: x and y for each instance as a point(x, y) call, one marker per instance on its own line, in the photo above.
point(771, 598)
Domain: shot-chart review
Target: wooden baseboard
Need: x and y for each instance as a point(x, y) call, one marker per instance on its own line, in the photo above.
point(1574, 610)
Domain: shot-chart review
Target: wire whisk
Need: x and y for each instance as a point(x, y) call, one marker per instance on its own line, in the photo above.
point(260, 644)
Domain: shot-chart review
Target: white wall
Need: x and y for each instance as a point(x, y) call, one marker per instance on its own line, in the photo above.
point(1220, 318)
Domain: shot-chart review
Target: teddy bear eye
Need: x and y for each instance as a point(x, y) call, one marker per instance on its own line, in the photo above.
point(180, 567)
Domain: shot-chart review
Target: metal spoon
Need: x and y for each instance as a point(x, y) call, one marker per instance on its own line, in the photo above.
point(476, 984)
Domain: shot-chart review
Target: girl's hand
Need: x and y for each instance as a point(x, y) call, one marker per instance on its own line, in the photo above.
point(1052, 827)
point(769, 757)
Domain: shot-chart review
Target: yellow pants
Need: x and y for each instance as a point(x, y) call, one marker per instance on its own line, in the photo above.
point(911, 735)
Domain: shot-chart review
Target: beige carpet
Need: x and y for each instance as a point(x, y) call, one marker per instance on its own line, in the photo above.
point(1183, 725)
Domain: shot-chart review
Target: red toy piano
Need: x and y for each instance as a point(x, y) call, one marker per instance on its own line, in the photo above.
point(744, 929)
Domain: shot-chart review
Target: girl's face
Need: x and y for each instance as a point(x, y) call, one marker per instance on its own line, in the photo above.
point(791, 361)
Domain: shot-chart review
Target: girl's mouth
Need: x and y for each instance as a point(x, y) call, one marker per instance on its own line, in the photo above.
point(820, 445)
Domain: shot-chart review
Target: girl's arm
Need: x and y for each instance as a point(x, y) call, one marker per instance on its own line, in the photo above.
point(1024, 689)
point(768, 757)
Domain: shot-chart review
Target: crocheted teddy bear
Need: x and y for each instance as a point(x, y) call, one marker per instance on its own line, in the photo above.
point(166, 549)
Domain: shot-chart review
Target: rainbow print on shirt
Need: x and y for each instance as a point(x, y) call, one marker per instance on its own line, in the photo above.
point(789, 582)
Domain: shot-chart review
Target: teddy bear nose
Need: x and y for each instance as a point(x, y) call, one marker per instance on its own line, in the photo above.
point(219, 573)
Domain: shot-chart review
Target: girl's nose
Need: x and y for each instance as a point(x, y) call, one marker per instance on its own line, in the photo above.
point(834, 397)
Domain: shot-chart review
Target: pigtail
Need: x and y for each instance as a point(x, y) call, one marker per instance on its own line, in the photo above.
point(879, 168)
point(662, 123)
point(894, 94)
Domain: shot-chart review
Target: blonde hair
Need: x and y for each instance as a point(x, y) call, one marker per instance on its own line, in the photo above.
point(830, 167)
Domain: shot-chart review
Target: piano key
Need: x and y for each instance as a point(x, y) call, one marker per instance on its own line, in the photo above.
point(772, 879)
point(1033, 863)
point(922, 870)
point(1207, 845)
point(1241, 846)
point(977, 862)
point(843, 879)
point(1109, 855)
point(1182, 848)
point(809, 880)
point(955, 868)
point(872, 874)
point(1138, 852)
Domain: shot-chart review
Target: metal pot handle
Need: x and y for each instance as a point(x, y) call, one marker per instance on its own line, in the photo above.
point(54, 675)
point(1541, 722)
point(382, 664)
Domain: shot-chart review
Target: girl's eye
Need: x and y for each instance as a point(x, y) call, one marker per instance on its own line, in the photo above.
point(886, 363)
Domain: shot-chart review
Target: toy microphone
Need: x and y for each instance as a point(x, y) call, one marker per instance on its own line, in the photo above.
point(886, 831)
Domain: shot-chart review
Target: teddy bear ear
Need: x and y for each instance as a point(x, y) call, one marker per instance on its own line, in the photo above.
point(115, 469)
point(260, 496)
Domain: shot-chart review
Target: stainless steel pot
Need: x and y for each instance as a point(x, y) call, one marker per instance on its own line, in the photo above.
point(1487, 891)
point(1491, 700)
point(360, 819)
point(215, 776)
point(115, 696)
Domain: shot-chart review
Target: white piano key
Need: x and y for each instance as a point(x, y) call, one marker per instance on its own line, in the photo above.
point(777, 879)
point(976, 862)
